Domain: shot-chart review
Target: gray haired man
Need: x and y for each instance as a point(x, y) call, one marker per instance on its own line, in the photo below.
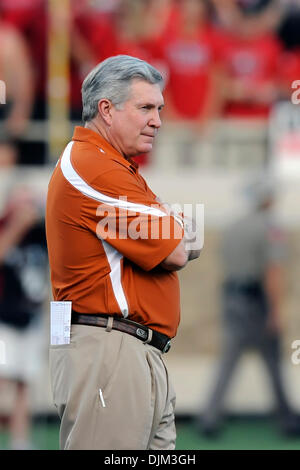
point(110, 384)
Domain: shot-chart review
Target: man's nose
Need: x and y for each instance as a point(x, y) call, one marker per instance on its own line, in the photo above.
point(155, 120)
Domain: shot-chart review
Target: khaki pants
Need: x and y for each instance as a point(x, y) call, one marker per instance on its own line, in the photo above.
point(112, 392)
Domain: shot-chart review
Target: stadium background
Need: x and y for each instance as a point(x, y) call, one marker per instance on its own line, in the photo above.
point(211, 144)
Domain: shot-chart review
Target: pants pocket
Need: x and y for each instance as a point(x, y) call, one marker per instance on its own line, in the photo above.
point(110, 367)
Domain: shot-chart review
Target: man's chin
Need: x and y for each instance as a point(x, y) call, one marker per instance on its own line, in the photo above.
point(144, 149)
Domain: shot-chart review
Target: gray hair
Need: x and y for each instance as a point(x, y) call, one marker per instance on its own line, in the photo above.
point(111, 79)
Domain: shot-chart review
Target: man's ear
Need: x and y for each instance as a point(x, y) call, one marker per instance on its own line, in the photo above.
point(104, 109)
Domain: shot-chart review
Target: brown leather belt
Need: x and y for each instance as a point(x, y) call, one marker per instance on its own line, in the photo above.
point(142, 332)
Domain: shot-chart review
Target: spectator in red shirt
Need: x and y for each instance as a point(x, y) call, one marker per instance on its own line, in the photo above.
point(29, 17)
point(16, 92)
point(251, 58)
point(189, 49)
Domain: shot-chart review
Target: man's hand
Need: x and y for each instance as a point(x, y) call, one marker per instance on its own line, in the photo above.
point(190, 236)
point(190, 230)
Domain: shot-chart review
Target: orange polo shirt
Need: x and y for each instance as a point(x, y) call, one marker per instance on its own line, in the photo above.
point(107, 236)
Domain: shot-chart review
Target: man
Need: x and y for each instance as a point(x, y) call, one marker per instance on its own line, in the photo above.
point(109, 257)
point(253, 251)
point(23, 290)
point(16, 93)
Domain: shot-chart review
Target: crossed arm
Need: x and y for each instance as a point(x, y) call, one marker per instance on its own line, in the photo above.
point(183, 253)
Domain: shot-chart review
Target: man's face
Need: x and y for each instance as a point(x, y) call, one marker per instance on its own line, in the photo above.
point(136, 122)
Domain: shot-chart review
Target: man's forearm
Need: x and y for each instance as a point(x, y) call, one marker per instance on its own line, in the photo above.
point(189, 227)
point(189, 238)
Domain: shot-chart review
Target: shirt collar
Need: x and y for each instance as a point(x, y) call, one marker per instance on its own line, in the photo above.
point(83, 134)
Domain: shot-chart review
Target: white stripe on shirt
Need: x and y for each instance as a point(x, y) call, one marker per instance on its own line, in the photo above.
point(72, 176)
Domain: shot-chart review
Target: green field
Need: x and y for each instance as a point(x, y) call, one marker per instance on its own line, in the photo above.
point(238, 434)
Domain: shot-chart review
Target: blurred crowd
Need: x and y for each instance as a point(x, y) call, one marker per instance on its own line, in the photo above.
point(220, 58)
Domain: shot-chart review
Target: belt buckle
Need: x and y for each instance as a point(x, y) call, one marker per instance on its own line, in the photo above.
point(143, 334)
point(167, 346)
